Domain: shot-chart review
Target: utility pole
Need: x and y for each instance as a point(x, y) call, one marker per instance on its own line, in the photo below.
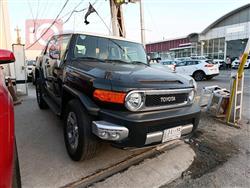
point(117, 20)
point(118, 26)
point(142, 23)
point(18, 39)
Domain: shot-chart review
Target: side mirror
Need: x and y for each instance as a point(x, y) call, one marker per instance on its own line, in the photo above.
point(54, 54)
point(6, 56)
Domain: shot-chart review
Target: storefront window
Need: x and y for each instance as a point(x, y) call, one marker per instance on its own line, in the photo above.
point(216, 45)
point(210, 46)
point(222, 45)
point(214, 48)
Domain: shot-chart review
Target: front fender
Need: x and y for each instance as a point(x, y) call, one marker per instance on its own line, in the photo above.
point(90, 106)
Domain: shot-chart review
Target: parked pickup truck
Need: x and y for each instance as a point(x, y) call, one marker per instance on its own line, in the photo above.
point(104, 89)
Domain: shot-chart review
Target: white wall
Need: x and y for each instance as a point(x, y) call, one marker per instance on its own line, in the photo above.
point(231, 32)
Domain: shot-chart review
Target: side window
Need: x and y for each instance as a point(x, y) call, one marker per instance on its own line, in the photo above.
point(190, 63)
point(182, 63)
point(57, 47)
point(53, 48)
point(63, 42)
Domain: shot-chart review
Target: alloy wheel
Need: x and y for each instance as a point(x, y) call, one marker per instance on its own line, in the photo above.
point(72, 130)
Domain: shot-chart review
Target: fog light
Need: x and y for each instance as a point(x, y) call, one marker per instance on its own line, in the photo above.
point(114, 135)
point(103, 134)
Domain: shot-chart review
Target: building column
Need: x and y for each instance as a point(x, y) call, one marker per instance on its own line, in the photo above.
point(225, 51)
point(202, 47)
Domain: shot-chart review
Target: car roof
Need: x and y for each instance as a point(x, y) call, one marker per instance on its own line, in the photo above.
point(96, 34)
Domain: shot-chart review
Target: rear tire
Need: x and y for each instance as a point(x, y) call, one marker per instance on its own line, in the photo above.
point(79, 141)
point(199, 75)
point(33, 80)
point(39, 96)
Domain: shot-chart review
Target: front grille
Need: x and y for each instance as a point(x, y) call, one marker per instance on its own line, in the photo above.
point(165, 99)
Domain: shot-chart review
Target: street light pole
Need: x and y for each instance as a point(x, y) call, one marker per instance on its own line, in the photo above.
point(142, 23)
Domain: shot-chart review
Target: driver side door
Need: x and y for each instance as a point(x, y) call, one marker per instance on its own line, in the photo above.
point(49, 59)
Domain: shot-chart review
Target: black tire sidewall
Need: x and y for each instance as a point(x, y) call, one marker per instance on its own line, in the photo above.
point(84, 131)
point(41, 103)
point(202, 74)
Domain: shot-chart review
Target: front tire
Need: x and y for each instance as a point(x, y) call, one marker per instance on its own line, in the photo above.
point(199, 75)
point(79, 141)
point(39, 96)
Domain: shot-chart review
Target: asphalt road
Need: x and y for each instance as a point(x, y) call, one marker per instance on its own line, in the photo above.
point(42, 154)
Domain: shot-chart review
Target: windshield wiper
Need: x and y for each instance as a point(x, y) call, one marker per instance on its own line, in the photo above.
point(91, 58)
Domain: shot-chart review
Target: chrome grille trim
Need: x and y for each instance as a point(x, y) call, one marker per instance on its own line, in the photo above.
point(162, 92)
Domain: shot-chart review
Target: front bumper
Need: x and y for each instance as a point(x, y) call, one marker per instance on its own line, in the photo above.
point(144, 128)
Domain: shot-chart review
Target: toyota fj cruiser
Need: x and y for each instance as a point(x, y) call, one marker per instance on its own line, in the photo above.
point(104, 89)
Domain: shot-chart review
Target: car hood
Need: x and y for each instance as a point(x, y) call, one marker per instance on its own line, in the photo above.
point(124, 77)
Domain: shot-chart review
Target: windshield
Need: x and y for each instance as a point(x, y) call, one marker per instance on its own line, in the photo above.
point(109, 49)
point(30, 62)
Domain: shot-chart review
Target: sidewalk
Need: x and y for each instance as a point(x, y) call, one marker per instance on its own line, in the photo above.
point(153, 172)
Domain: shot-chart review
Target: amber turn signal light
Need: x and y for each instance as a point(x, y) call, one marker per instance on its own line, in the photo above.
point(109, 96)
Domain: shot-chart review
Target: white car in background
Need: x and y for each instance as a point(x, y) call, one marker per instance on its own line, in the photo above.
point(199, 57)
point(198, 69)
point(220, 62)
point(182, 58)
point(29, 67)
point(236, 63)
point(169, 63)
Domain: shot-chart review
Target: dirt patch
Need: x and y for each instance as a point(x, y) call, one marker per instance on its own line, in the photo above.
point(210, 151)
point(213, 147)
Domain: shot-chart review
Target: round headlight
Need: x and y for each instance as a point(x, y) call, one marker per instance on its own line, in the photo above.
point(191, 96)
point(134, 101)
point(192, 82)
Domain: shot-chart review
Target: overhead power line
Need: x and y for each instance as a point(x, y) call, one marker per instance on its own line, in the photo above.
point(66, 2)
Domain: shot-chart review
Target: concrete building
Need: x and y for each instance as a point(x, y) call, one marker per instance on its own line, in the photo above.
point(227, 36)
point(178, 47)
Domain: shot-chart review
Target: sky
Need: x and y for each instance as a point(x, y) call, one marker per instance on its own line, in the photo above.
point(164, 19)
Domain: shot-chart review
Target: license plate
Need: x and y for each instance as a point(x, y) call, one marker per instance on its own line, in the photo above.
point(171, 134)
